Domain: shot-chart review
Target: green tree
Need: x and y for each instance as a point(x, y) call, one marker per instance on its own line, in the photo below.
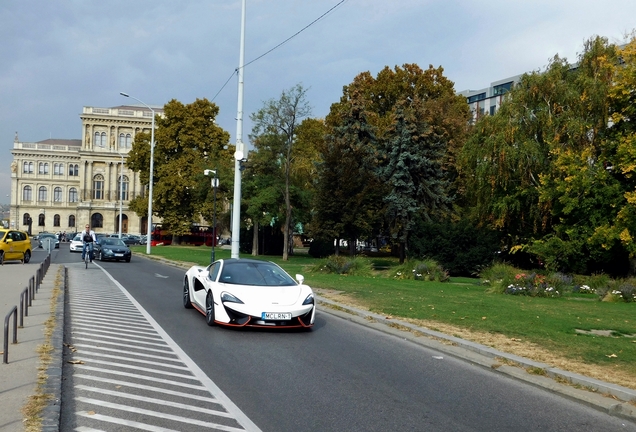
point(348, 198)
point(187, 141)
point(444, 113)
point(538, 170)
point(276, 124)
point(413, 171)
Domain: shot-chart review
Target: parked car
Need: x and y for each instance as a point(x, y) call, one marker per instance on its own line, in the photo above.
point(126, 238)
point(76, 244)
point(46, 238)
point(246, 292)
point(114, 249)
point(14, 245)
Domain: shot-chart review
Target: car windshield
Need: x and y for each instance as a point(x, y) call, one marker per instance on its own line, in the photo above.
point(111, 242)
point(258, 274)
point(77, 238)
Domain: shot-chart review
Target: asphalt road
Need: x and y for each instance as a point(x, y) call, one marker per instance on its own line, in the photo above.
point(339, 376)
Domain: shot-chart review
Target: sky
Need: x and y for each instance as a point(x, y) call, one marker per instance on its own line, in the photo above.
point(57, 56)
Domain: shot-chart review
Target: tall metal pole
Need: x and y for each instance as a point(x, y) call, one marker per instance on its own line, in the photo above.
point(240, 150)
point(121, 190)
point(151, 176)
point(215, 184)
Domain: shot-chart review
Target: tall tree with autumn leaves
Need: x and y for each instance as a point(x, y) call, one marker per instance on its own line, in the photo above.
point(187, 142)
point(552, 168)
point(402, 130)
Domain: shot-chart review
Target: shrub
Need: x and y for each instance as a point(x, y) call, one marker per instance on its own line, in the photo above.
point(498, 276)
point(344, 265)
point(320, 248)
point(427, 269)
point(533, 285)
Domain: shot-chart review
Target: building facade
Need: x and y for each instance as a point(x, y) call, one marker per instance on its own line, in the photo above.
point(60, 185)
point(488, 100)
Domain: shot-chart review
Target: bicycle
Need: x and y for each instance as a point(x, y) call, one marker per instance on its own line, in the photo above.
point(87, 253)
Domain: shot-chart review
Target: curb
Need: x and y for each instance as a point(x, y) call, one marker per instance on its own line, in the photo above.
point(615, 400)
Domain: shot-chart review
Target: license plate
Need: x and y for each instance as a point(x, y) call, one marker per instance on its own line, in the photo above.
point(276, 316)
point(119, 255)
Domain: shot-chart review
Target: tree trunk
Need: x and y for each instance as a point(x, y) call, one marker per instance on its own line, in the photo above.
point(255, 240)
point(337, 248)
point(402, 252)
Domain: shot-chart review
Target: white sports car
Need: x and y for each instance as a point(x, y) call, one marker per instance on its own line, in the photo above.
point(247, 292)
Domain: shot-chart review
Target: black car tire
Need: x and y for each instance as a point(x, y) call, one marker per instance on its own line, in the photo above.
point(186, 294)
point(27, 257)
point(127, 259)
point(1, 257)
point(209, 309)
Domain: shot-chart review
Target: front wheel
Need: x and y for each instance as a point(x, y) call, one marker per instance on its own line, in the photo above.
point(209, 309)
point(187, 303)
point(1, 257)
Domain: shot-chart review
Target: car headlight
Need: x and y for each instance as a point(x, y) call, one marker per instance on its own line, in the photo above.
point(227, 297)
point(309, 299)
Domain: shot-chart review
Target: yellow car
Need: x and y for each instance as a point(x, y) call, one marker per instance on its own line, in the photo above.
point(14, 245)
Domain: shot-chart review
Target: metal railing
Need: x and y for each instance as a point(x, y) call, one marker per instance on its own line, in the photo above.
point(26, 300)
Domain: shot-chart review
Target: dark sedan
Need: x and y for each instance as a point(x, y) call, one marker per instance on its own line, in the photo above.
point(108, 248)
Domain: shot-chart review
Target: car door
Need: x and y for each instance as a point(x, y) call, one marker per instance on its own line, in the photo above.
point(198, 295)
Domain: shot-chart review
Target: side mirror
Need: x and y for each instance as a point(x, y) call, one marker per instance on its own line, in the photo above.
point(300, 278)
point(8, 241)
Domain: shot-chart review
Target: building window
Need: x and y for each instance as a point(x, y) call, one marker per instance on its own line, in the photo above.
point(72, 195)
point(27, 193)
point(28, 168)
point(97, 220)
point(73, 169)
point(56, 220)
point(71, 221)
point(123, 192)
point(41, 219)
point(477, 97)
point(122, 140)
point(128, 141)
point(42, 193)
point(26, 219)
point(58, 169)
point(57, 194)
point(502, 88)
point(43, 168)
point(98, 187)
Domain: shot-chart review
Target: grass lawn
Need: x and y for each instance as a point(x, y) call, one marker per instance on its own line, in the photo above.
point(556, 326)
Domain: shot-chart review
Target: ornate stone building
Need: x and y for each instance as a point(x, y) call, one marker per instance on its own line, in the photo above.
point(60, 185)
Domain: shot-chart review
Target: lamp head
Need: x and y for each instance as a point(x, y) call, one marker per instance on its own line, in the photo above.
point(209, 171)
point(124, 94)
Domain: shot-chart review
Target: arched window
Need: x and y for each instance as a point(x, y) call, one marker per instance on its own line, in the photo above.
point(71, 221)
point(128, 141)
point(97, 140)
point(56, 220)
point(103, 140)
point(46, 168)
point(26, 219)
point(58, 169)
point(41, 168)
point(98, 187)
point(42, 194)
point(57, 194)
point(25, 168)
point(27, 193)
point(97, 220)
point(123, 192)
point(76, 170)
point(31, 167)
point(72, 195)
point(122, 140)
point(41, 219)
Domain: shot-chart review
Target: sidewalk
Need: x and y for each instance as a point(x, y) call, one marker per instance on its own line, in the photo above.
point(18, 378)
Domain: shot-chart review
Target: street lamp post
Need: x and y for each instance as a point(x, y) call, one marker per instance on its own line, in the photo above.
point(121, 190)
point(215, 184)
point(150, 177)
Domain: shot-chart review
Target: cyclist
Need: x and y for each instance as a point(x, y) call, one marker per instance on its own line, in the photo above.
point(88, 239)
